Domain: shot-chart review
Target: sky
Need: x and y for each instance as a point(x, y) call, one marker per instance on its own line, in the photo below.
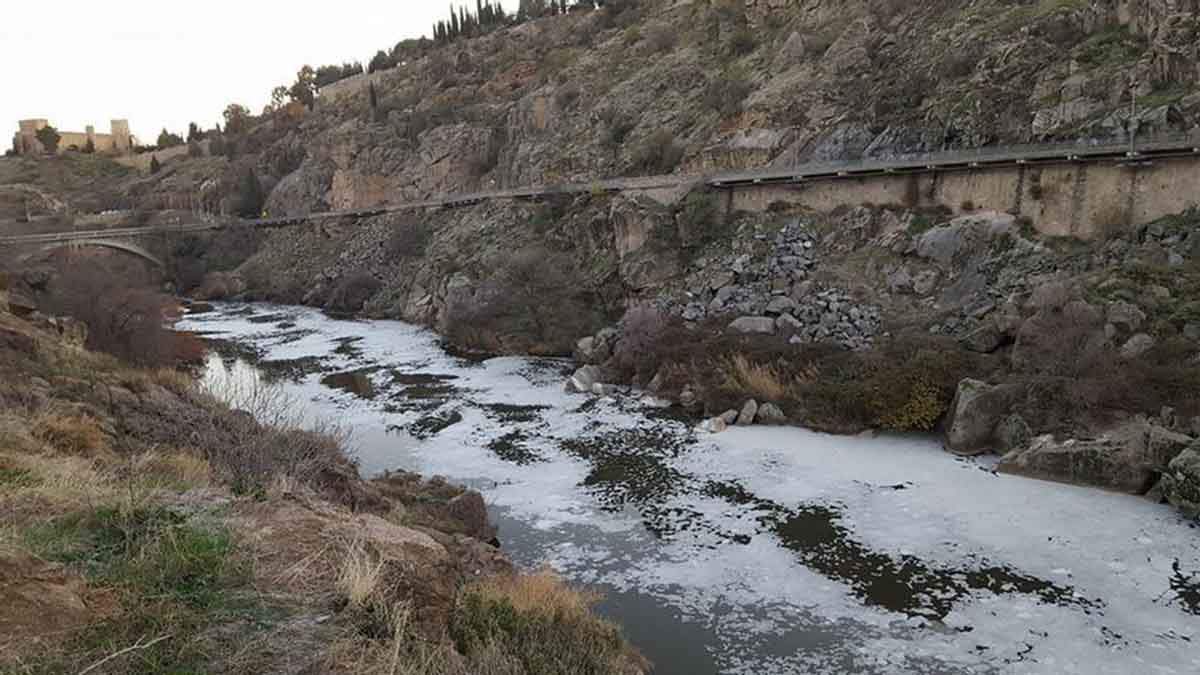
point(164, 64)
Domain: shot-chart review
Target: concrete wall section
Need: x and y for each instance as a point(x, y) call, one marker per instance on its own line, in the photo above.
point(1081, 200)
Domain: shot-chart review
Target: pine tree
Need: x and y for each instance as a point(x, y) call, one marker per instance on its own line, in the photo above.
point(154, 164)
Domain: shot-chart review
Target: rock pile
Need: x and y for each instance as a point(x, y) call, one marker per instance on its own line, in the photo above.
point(778, 295)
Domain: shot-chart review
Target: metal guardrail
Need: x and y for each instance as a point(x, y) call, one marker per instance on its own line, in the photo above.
point(1077, 150)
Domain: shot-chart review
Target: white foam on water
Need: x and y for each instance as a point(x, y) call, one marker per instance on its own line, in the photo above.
point(717, 566)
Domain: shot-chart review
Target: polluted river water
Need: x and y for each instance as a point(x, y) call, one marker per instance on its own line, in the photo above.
point(759, 550)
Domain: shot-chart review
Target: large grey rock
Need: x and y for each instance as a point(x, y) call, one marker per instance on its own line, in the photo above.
point(770, 414)
point(984, 339)
point(1136, 346)
point(1125, 315)
point(585, 350)
point(730, 416)
point(780, 305)
point(925, 282)
point(584, 379)
point(715, 425)
point(977, 410)
point(1128, 459)
point(754, 324)
point(1013, 433)
point(1181, 482)
point(748, 414)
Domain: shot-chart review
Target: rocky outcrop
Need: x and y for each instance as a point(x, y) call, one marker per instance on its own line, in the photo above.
point(1181, 481)
point(977, 411)
point(1129, 459)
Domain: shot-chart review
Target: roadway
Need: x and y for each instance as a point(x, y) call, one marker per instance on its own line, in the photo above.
point(1147, 150)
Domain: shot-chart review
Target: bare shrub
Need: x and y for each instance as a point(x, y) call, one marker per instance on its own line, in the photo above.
point(533, 302)
point(352, 292)
point(409, 240)
point(658, 153)
point(660, 39)
point(726, 94)
point(636, 352)
point(123, 317)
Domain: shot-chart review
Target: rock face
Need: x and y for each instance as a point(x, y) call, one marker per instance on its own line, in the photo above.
point(1128, 459)
point(1181, 481)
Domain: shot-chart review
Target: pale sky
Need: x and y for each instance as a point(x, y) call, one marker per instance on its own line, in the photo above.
point(168, 63)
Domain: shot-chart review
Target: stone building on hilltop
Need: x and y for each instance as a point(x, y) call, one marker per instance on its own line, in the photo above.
point(119, 142)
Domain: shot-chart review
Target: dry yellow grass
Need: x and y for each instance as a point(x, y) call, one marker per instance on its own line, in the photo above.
point(181, 469)
point(543, 591)
point(70, 433)
point(760, 381)
point(361, 571)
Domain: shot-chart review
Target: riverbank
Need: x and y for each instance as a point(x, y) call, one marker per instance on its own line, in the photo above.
point(1072, 360)
point(149, 526)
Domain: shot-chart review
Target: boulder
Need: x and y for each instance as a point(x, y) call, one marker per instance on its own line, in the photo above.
point(788, 324)
point(1128, 459)
point(471, 511)
point(984, 339)
point(585, 350)
point(715, 425)
point(748, 414)
point(924, 283)
point(600, 389)
point(730, 416)
point(1137, 345)
point(977, 410)
point(583, 379)
point(780, 305)
point(753, 324)
point(771, 414)
point(1125, 315)
point(1181, 482)
point(687, 398)
point(1013, 433)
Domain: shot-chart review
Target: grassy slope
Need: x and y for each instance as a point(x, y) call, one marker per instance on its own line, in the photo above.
point(123, 552)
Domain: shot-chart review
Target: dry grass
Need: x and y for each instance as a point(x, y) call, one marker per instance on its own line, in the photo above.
point(181, 469)
point(760, 381)
point(70, 433)
point(360, 574)
point(542, 591)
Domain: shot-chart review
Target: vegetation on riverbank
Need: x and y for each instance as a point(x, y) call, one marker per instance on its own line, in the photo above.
point(146, 526)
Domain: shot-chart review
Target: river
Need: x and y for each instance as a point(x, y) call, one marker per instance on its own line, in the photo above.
point(759, 550)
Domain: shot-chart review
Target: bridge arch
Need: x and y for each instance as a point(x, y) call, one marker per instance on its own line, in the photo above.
point(112, 244)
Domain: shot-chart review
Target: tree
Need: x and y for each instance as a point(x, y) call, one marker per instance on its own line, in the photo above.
point(372, 96)
point(167, 139)
point(381, 61)
point(89, 148)
point(279, 96)
point(304, 90)
point(237, 118)
point(194, 133)
point(250, 196)
point(49, 138)
point(155, 166)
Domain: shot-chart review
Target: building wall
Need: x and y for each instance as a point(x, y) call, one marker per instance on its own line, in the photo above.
point(120, 141)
